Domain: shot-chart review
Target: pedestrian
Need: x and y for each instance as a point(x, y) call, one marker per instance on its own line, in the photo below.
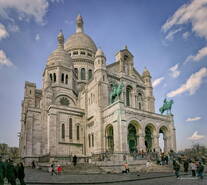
point(33, 165)
point(200, 170)
point(176, 167)
point(2, 171)
point(59, 170)
point(166, 159)
point(185, 166)
point(147, 165)
point(20, 173)
point(53, 169)
point(11, 173)
point(74, 160)
point(126, 167)
point(193, 168)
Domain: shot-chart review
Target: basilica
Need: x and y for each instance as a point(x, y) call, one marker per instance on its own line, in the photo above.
point(87, 107)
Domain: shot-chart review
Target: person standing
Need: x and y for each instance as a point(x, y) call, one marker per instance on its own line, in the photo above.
point(200, 170)
point(2, 171)
point(74, 160)
point(193, 168)
point(11, 173)
point(33, 165)
point(20, 173)
point(53, 169)
point(186, 166)
point(176, 167)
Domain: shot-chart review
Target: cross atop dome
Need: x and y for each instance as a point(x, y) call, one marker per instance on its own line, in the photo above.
point(79, 24)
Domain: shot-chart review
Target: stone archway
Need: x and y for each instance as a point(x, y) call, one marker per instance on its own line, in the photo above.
point(133, 136)
point(163, 138)
point(149, 137)
point(110, 138)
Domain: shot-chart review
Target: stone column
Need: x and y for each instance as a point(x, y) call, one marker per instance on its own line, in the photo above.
point(165, 138)
point(156, 143)
point(142, 142)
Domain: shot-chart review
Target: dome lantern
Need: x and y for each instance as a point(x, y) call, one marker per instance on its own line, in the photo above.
point(79, 24)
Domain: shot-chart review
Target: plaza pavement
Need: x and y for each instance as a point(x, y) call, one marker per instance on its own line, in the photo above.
point(35, 176)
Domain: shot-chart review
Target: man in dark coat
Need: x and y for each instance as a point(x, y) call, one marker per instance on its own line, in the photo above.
point(11, 173)
point(74, 160)
point(176, 167)
point(20, 173)
point(186, 166)
point(2, 171)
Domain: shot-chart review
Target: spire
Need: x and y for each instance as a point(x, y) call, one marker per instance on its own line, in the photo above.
point(79, 24)
point(60, 39)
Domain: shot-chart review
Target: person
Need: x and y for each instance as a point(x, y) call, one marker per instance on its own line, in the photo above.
point(176, 167)
point(166, 159)
point(59, 170)
point(33, 164)
point(126, 168)
point(200, 170)
point(2, 171)
point(11, 173)
point(193, 168)
point(74, 160)
point(185, 166)
point(53, 169)
point(148, 164)
point(20, 173)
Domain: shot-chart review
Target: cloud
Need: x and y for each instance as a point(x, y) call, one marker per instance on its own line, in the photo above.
point(186, 35)
point(157, 81)
point(199, 55)
point(193, 119)
point(174, 72)
point(194, 13)
point(25, 9)
point(192, 84)
point(196, 136)
point(3, 32)
point(37, 37)
point(4, 60)
point(170, 35)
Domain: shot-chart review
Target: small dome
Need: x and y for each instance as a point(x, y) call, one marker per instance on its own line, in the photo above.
point(60, 56)
point(146, 72)
point(99, 52)
point(80, 41)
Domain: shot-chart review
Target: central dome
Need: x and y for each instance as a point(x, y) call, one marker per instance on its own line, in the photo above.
point(80, 40)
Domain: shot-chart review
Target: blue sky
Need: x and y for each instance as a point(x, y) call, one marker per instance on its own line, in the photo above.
point(168, 37)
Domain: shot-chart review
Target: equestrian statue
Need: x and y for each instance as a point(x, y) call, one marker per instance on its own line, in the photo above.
point(167, 105)
point(116, 91)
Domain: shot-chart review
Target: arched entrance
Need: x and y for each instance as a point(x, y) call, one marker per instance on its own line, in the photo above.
point(134, 130)
point(149, 132)
point(110, 138)
point(163, 139)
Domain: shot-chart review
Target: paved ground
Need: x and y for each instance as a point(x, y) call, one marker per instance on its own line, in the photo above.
point(38, 176)
point(42, 177)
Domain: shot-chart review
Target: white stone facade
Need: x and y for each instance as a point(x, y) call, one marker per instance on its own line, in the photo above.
point(72, 113)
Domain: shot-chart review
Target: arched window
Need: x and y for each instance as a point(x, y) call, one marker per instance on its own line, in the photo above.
point(62, 78)
point(89, 74)
point(70, 128)
point(139, 99)
point(89, 140)
point(92, 140)
point(78, 132)
point(128, 95)
point(51, 77)
point(76, 72)
point(63, 131)
point(66, 79)
point(54, 77)
point(83, 74)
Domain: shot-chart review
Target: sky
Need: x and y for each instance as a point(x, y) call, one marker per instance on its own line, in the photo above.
point(168, 37)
